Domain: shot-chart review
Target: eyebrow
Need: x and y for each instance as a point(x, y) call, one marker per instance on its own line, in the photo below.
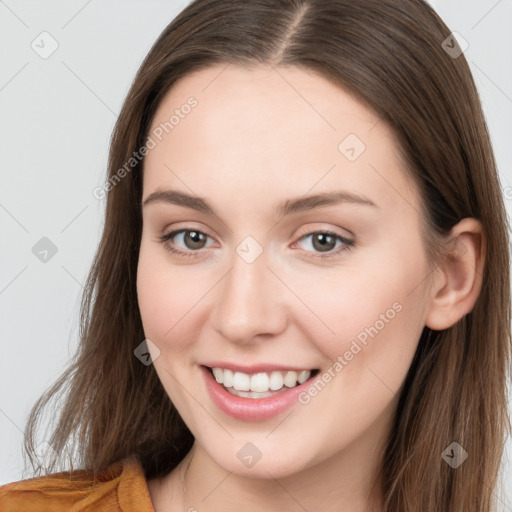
point(286, 207)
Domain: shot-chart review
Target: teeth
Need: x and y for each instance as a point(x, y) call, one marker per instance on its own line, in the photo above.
point(219, 375)
point(259, 382)
point(290, 379)
point(276, 381)
point(241, 381)
point(262, 382)
point(228, 378)
point(303, 376)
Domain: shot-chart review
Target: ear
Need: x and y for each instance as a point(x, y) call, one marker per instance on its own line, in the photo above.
point(458, 281)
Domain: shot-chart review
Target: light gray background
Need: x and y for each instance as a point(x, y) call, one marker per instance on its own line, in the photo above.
point(57, 115)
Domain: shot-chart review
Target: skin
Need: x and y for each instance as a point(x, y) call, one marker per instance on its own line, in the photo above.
point(259, 136)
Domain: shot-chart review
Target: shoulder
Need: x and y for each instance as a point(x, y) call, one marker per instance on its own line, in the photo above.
point(121, 487)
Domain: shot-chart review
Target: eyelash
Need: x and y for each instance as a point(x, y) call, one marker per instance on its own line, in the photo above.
point(348, 244)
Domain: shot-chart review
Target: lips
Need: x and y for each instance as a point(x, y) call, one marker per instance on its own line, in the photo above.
point(254, 368)
point(250, 405)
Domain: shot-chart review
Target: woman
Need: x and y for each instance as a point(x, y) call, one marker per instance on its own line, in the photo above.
point(301, 298)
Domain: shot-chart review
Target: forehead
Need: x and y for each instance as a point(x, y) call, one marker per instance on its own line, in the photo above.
point(298, 93)
point(271, 129)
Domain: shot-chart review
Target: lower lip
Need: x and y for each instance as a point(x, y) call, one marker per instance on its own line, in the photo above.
point(251, 409)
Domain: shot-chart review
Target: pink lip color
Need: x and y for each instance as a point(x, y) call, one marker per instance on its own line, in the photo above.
point(251, 409)
point(255, 368)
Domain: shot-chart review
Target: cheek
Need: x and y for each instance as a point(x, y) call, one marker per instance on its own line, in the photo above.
point(369, 317)
point(165, 299)
point(352, 305)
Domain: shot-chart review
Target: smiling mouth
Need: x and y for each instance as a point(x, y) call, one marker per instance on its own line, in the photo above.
point(260, 384)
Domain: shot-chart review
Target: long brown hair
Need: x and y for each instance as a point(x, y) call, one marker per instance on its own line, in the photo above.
point(393, 56)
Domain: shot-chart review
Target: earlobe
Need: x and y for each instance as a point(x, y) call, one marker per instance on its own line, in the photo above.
point(458, 282)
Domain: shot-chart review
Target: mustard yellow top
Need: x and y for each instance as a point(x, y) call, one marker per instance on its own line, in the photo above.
point(122, 487)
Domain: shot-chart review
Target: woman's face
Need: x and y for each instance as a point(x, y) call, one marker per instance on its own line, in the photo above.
point(271, 281)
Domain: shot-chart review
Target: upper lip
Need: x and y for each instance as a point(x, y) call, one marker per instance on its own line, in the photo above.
point(255, 368)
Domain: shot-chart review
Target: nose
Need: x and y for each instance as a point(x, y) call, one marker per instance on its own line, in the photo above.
point(250, 302)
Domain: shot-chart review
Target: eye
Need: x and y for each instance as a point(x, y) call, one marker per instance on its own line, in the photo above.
point(325, 242)
point(193, 238)
point(194, 241)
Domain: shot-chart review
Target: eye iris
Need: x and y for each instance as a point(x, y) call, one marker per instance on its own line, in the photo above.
point(324, 247)
point(196, 237)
